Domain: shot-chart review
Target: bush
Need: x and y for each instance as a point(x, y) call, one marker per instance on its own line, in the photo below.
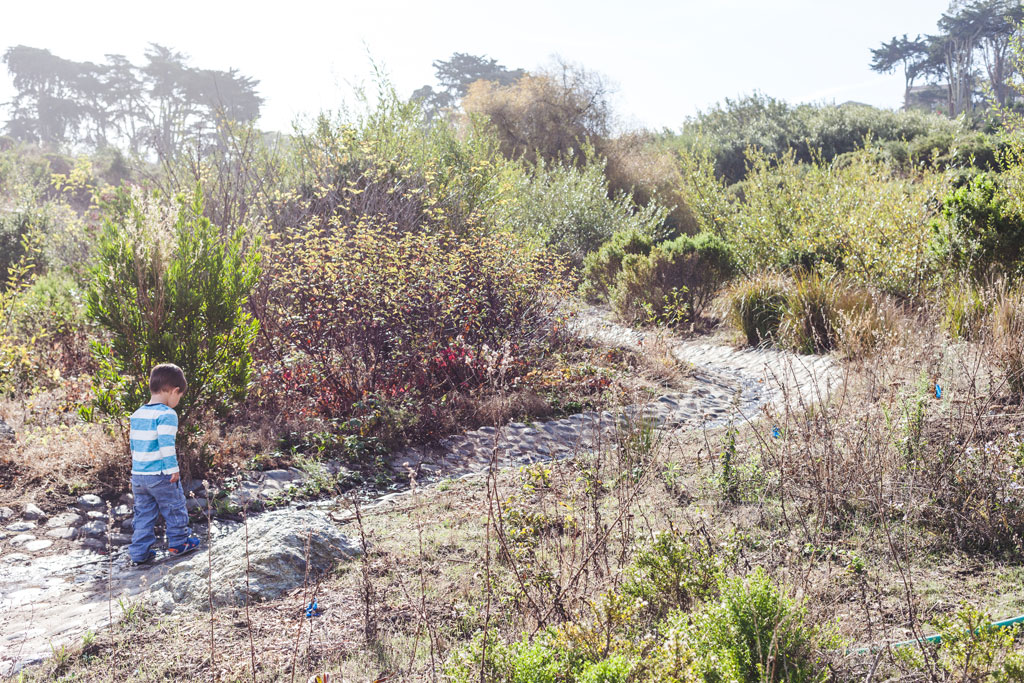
point(168, 288)
point(965, 309)
point(569, 209)
point(675, 282)
point(602, 267)
point(979, 230)
point(753, 633)
point(673, 573)
point(382, 331)
point(756, 307)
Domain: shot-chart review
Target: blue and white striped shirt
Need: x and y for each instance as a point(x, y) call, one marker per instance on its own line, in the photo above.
point(153, 427)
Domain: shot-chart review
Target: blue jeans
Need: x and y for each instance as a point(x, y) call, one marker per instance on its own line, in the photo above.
point(156, 496)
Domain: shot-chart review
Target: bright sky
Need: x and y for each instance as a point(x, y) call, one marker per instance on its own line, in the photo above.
point(667, 59)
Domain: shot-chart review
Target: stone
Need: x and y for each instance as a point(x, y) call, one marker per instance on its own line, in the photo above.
point(128, 525)
point(31, 512)
point(5, 514)
point(120, 539)
point(21, 526)
point(279, 475)
point(14, 558)
point(64, 519)
point(96, 529)
point(22, 539)
point(126, 499)
point(196, 504)
point(95, 545)
point(63, 533)
point(90, 500)
point(96, 514)
point(277, 557)
point(36, 546)
point(122, 510)
point(7, 434)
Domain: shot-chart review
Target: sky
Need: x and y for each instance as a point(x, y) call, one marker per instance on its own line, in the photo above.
point(666, 60)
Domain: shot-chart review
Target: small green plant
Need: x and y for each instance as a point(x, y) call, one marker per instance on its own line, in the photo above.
point(601, 267)
point(756, 307)
point(965, 309)
point(915, 406)
point(673, 572)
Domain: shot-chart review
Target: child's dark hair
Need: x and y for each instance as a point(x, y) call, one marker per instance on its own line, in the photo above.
point(167, 376)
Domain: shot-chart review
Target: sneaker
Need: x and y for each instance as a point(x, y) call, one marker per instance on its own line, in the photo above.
point(190, 544)
point(147, 560)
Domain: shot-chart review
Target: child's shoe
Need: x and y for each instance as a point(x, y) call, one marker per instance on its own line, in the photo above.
point(147, 560)
point(190, 544)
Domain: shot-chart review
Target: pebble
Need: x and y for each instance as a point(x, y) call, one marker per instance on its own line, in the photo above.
point(90, 500)
point(122, 510)
point(21, 539)
point(126, 499)
point(64, 533)
point(64, 519)
point(31, 512)
point(6, 513)
point(41, 544)
point(96, 514)
point(21, 526)
point(95, 529)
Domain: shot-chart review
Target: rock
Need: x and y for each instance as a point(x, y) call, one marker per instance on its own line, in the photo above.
point(64, 519)
point(277, 559)
point(15, 558)
point(95, 545)
point(7, 433)
point(128, 525)
point(21, 526)
point(196, 504)
point(64, 533)
point(6, 514)
point(120, 539)
point(96, 514)
point(22, 539)
point(90, 500)
point(36, 546)
point(32, 512)
point(279, 475)
point(122, 510)
point(95, 529)
point(126, 499)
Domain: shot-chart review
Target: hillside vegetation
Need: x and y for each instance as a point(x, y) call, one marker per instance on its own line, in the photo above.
point(381, 278)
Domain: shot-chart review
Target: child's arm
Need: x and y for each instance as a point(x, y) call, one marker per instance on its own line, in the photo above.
point(166, 431)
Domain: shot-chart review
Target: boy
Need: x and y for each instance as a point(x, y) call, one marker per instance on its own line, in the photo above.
point(155, 478)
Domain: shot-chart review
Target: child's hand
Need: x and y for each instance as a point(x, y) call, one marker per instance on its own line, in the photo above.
point(175, 477)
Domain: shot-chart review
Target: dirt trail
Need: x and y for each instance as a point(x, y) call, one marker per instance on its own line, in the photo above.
point(50, 600)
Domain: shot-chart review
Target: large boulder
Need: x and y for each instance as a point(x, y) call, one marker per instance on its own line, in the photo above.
point(280, 544)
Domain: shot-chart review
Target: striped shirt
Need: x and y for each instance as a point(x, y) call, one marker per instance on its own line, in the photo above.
point(153, 427)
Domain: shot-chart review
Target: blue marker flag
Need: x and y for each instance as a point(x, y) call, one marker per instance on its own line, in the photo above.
point(938, 390)
point(313, 610)
point(776, 433)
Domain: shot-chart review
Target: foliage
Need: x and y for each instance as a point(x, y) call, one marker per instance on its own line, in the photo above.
point(965, 309)
point(551, 114)
point(756, 307)
point(673, 572)
point(410, 320)
point(754, 632)
point(601, 267)
point(569, 208)
point(675, 282)
point(454, 76)
point(1008, 335)
point(158, 107)
point(168, 288)
point(858, 218)
point(979, 230)
point(810, 132)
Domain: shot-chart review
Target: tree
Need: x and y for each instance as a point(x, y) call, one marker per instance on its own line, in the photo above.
point(150, 110)
point(455, 75)
point(911, 54)
point(1000, 20)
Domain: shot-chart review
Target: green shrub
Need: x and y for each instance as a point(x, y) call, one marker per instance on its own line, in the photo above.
point(754, 633)
point(672, 573)
point(168, 288)
point(569, 208)
point(540, 660)
point(15, 239)
point(756, 307)
point(51, 313)
point(615, 669)
point(602, 267)
point(979, 230)
point(675, 282)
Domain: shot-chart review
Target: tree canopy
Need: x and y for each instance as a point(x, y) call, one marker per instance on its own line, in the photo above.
point(148, 109)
